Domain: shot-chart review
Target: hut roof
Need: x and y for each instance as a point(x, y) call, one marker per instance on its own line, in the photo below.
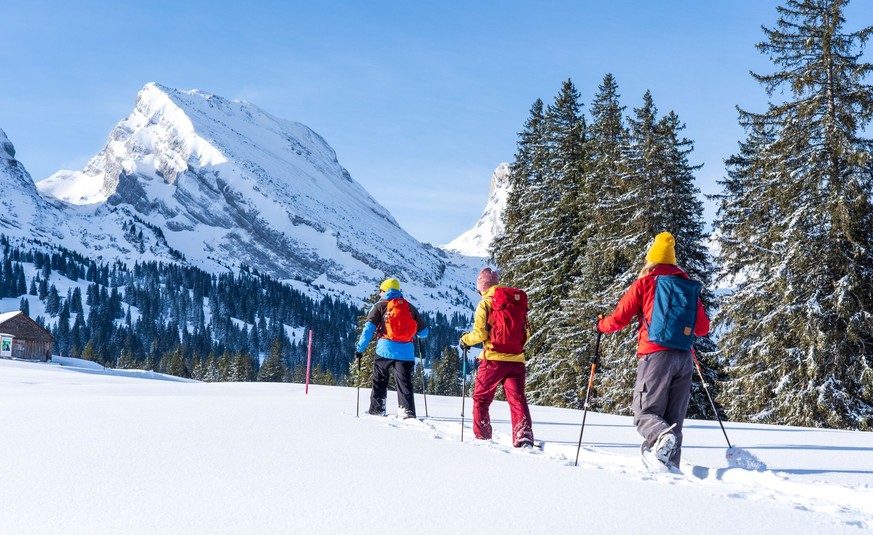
point(6, 316)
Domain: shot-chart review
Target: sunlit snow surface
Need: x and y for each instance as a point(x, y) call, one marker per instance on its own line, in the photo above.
point(86, 450)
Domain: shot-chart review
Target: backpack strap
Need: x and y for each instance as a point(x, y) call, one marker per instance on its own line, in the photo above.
point(380, 327)
point(643, 320)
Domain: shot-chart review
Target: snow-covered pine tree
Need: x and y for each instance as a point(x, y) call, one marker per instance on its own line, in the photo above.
point(575, 334)
point(210, 369)
point(176, 363)
point(654, 192)
point(795, 222)
point(273, 370)
point(125, 360)
point(685, 210)
point(446, 377)
point(555, 226)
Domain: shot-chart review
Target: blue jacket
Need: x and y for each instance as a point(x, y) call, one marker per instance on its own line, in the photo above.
point(385, 348)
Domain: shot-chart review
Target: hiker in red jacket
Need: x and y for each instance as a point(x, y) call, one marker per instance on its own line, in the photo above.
point(503, 334)
point(663, 384)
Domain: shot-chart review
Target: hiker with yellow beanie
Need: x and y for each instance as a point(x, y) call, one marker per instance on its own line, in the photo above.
point(395, 322)
point(667, 303)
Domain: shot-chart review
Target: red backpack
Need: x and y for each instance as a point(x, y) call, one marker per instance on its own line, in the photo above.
point(399, 325)
point(507, 322)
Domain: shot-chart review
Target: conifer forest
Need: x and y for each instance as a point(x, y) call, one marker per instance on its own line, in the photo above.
point(792, 241)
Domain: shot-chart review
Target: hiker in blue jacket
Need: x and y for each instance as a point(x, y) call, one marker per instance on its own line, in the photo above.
point(395, 323)
point(663, 384)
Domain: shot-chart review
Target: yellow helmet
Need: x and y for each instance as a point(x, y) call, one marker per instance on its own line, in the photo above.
point(390, 284)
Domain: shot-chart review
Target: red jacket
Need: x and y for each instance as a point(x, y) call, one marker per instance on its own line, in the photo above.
point(640, 298)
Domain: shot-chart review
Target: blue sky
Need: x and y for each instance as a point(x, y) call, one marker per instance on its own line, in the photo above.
point(421, 100)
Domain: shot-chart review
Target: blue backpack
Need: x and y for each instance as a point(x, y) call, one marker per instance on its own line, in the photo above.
point(674, 312)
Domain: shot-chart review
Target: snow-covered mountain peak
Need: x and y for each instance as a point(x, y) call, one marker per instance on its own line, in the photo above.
point(477, 240)
point(224, 184)
point(7, 149)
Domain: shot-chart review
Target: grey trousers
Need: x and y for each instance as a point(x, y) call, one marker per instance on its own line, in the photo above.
point(661, 395)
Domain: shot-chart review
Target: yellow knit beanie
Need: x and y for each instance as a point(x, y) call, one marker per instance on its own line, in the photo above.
point(390, 284)
point(663, 251)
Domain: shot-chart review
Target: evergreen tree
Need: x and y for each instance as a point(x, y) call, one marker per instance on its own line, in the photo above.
point(655, 192)
point(446, 377)
point(89, 353)
point(273, 370)
point(53, 301)
point(557, 220)
point(320, 376)
point(598, 266)
point(43, 289)
point(242, 367)
point(125, 360)
point(176, 364)
point(211, 373)
point(20, 281)
point(795, 219)
point(538, 251)
point(76, 301)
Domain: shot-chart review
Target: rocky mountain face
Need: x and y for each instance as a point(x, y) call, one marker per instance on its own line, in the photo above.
point(23, 213)
point(477, 240)
point(192, 177)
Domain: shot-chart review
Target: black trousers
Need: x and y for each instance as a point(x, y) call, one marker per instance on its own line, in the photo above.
point(402, 379)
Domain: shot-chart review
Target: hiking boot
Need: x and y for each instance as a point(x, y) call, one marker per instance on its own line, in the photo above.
point(405, 414)
point(525, 443)
point(664, 446)
point(377, 407)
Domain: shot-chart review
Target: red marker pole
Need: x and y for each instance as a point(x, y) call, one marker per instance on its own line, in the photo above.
point(308, 361)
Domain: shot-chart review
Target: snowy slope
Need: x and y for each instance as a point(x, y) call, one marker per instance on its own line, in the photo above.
point(229, 181)
point(477, 240)
point(192, 177)
point(86, 451)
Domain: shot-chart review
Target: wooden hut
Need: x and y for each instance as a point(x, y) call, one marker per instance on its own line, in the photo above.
point(29, 339)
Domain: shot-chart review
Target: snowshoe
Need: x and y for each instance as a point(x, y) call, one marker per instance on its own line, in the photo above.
point(665, 445)
point(651, 461)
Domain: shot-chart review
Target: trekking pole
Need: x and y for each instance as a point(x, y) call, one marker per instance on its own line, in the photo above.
point(423, 383)
point(711, 402)
point(463, 391)
point(358, 407)
point(588, 393)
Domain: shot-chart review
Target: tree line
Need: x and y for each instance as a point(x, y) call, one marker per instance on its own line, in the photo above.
point(187, 322)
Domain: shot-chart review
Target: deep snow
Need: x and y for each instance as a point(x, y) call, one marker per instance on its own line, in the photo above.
point(86, 450)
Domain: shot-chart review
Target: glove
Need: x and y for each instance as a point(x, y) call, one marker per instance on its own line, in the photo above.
point(462, 345)
point(358, 355)
point(597, 323)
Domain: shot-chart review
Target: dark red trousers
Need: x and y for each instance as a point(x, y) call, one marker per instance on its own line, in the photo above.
point(491, 374)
